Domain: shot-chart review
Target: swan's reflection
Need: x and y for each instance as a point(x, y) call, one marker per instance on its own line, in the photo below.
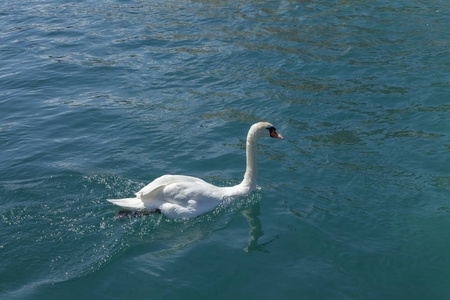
point(256, 231)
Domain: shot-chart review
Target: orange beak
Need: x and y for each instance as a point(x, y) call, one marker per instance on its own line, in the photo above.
point(274, 134)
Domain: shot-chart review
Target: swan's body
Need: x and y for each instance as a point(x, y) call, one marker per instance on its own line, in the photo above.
point(179, 196)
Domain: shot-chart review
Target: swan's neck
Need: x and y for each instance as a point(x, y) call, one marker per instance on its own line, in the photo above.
point(251, 171)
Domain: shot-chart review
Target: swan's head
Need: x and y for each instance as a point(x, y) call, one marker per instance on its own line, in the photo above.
point(264, 129)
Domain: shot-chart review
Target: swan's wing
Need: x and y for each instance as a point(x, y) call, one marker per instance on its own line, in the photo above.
point(164, 181)
point(168, 188)
point(187, 200)
point(180, 195)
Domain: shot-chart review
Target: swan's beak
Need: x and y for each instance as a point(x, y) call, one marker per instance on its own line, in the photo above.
point(274, 134)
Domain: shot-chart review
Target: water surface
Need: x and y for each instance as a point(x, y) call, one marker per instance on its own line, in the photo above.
point(98, 98)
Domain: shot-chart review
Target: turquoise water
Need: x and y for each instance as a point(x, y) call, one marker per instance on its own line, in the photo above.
point(98, 98)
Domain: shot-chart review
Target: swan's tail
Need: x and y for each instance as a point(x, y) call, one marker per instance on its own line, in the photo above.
point(128, 203)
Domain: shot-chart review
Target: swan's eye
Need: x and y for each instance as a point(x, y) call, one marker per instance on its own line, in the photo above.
point(271, 130)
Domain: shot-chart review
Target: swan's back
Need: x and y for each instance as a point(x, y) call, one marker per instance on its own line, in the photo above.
point(165, 180)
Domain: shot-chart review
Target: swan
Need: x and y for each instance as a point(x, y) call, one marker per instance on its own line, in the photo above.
point(183, 197)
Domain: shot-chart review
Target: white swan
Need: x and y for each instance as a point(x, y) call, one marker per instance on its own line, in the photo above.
point(179, 196)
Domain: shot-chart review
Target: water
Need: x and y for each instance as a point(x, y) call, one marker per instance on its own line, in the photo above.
point(99, 98)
